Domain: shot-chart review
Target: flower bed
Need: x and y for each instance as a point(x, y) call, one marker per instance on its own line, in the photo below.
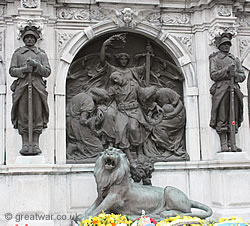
point(120, 220)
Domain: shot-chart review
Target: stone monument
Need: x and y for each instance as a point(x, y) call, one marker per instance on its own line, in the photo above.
point(130, 75)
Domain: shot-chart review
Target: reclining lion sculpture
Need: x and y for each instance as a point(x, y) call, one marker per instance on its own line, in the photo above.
point(117, 193)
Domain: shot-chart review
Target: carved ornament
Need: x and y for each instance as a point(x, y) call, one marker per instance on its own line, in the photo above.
point(23, 24)
point(224, 11)
point(243, 20)
point(30, 3)
point(176, 18)
point(243, 44)
point(62, 39)
point(80, 14)
point(219, 29)
point(187, 41)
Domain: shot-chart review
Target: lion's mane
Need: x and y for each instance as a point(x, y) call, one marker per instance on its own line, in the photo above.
point(105, 179)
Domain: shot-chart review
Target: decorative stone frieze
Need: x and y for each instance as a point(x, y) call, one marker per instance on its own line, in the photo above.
point(79, 14)
point(176, 18)
point(158, 18)
point(154, 18)
point(126, 17)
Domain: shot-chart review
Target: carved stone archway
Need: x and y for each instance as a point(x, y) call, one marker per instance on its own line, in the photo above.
point(179, 54)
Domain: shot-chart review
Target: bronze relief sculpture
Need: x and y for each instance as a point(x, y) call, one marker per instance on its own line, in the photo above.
point(30, 112)
point(227, 101)
point(142, 111)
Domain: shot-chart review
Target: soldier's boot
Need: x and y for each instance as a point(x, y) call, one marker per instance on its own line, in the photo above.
point(233, 147)
point(223, 142)
point(236, 149)
point(25, 144)
point(36, 149)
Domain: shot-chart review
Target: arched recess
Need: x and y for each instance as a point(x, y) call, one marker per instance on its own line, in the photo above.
point(163, 38)
point(2, 112)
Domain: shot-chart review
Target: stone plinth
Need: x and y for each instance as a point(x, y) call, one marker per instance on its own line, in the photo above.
point(67, 190)
point(23, 160)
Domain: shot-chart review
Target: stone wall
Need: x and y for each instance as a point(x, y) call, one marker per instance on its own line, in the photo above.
point(185, 29)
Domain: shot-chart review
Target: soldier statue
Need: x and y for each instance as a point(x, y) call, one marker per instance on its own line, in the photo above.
point(30, 112)
point(227, 101)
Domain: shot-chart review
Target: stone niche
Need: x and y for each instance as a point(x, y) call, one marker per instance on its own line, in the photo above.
point(165, 79)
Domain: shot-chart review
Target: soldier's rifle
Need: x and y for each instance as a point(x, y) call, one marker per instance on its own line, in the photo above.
point(232, 109)
point(30, 108)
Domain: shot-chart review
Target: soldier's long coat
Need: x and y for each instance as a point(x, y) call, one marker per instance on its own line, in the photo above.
point(219, 63)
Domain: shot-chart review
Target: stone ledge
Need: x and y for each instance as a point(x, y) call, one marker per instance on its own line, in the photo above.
point(74, 168)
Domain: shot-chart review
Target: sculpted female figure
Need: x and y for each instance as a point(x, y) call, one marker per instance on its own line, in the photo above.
point(166, 113)
point(122, 60)
point(83, 118)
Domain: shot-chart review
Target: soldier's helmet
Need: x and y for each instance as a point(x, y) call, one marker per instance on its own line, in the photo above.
point(225, 37)
point(30, 30)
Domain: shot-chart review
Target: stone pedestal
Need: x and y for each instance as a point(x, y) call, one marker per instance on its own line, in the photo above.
point(233, 156)
point(23, 160)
